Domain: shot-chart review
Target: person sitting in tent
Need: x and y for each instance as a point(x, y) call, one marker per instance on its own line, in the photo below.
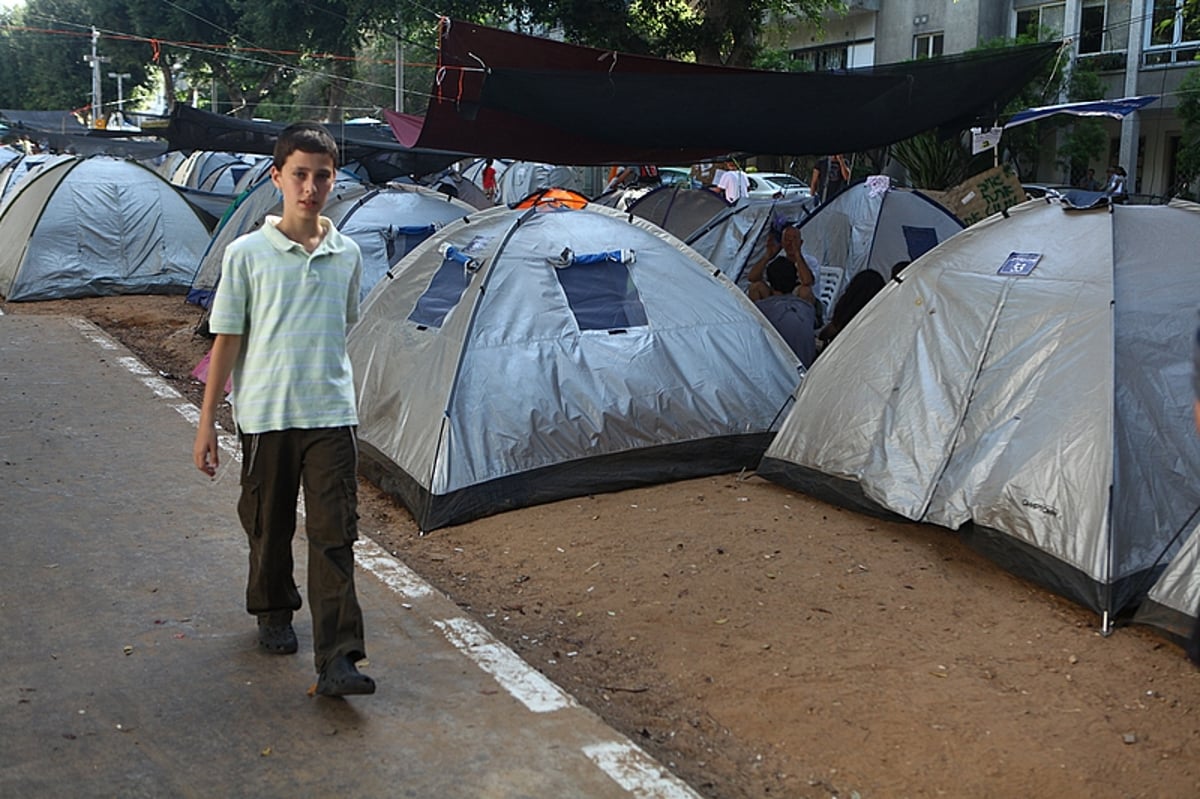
point(786, 243)
point(794, 318)
point(862, 287)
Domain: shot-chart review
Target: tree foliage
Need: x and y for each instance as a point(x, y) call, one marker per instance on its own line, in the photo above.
point(939, 163)
point(1187, 164)
point(1085, 138)
point(235, 55)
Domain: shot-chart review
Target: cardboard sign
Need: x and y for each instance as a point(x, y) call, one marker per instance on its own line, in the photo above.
point(982, 195)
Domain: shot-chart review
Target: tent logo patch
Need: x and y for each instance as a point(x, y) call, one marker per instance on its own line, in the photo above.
point(1043, 507)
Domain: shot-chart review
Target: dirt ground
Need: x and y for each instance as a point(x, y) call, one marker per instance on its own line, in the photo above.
point(762, 643)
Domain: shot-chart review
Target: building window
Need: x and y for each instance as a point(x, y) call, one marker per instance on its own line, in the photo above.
point(1091, 27)
point(1044, 22)
point(823, 59)
point(1174, 32)
point(927, 45)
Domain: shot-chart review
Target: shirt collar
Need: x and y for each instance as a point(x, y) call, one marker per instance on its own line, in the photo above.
point(331, 243)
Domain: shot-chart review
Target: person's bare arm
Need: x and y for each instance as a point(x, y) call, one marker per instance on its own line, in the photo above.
point(205, 451)
point(755, 275)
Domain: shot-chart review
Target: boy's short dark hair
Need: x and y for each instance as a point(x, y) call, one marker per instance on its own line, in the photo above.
point(781, 275)
point(306, 136)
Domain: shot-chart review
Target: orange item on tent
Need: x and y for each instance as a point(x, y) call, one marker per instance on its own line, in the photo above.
point(564, 197)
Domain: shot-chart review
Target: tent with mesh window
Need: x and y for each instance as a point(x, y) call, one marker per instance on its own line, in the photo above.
point(1026, 383)
point(519, 356)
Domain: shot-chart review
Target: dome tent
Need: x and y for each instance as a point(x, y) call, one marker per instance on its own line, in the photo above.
point(97, 226)
point(15, 171)
point(737, 236)
point(679, 209)
point(385, 222)
point(1026, 383)
point(522, 356)
point(1173, 604)
point(872, 225)
point(520, 179)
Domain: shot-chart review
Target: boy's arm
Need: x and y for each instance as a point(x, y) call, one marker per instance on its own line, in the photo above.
point(205, 451)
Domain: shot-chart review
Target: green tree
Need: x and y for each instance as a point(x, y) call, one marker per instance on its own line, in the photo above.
point(281, 52)
point(1084, 139)
point(42, 69)
point(932, 162)
point(1187, 163)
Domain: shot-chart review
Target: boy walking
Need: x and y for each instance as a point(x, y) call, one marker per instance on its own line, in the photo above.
point(287, 295)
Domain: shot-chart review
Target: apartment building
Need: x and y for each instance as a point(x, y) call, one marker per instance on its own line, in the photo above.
point(1141, 47)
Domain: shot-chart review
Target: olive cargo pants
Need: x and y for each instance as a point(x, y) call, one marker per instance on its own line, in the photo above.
point(274, 467)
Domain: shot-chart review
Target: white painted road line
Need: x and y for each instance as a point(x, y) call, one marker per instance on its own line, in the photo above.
point(526, 684)
point(637, 772)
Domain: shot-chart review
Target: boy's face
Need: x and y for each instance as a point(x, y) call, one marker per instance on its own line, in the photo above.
point(305, 181)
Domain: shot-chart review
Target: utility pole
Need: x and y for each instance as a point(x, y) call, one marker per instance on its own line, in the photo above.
point(399, 66)
point(95, 60)
point(120, 76)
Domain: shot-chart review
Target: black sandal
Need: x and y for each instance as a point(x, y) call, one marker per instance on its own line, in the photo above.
point(277, 639)
point(341, 677)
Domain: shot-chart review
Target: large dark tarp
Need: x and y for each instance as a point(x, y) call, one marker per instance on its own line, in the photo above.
point(60, 121)
point(504, 94)
point(64, 133)
point(373, 147)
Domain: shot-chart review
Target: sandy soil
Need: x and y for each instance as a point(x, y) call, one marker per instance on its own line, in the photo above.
point(764, 644)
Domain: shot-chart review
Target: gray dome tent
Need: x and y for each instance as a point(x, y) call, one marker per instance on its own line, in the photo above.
point(678, 210)
point(521, 178)
point(872, 225)
point(15, 171)
point(97, 226)
point(521, 356)
point(1045, 415)
point(1173, 604)
point(737, 236)
point(385, 222)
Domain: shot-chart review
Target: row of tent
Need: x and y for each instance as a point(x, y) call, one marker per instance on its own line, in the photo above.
point(102, 225)
point(1041, 412)
point(95, 225)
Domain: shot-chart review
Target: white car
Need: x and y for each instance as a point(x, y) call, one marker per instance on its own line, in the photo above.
point(776, 185)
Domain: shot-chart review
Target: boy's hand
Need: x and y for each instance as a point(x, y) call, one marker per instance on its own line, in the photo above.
point(206, 453)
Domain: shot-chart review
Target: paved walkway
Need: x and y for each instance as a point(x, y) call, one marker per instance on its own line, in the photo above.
point(130, 667)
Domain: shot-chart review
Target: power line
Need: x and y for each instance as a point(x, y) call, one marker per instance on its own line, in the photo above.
point(239, 53)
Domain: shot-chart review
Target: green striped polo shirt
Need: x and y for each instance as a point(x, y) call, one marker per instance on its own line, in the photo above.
point(292, 309)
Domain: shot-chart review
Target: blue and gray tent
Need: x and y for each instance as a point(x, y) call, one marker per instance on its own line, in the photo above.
point(520, 356)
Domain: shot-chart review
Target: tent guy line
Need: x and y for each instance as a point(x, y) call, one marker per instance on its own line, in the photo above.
point(623, 761)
